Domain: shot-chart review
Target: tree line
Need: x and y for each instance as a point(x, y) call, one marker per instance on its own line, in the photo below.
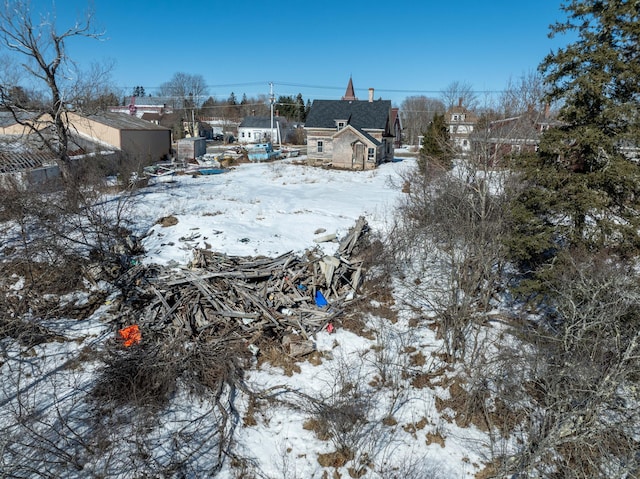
point(190, 92)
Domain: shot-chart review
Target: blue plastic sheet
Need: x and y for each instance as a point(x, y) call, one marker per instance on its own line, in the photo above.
point(320, 299)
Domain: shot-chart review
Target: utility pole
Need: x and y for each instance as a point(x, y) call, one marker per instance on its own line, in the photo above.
point(272, 100)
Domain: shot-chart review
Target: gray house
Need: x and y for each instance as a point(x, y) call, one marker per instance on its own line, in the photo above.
point(350, 133)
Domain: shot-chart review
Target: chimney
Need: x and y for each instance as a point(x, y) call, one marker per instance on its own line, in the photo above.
point(370, 94)
point(547, 107)
point(460, 102)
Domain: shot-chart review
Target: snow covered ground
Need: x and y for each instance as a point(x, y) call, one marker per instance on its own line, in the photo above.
point(272, 208)
point(263, 208)
point(269, 209)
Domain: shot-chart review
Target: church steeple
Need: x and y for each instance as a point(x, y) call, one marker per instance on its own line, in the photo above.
point(350, 95)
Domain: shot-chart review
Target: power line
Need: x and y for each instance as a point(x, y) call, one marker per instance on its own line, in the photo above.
point(327, 87)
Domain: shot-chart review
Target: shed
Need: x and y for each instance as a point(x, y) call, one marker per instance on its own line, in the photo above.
point(191, 148)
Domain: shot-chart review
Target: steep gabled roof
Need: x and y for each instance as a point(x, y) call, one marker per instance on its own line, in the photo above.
point(358, 132)
point(395, 116)
point(371, 115)
point(350, 94)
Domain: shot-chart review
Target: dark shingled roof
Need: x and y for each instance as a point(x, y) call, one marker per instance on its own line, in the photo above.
point(261, 121)
point(359, 114)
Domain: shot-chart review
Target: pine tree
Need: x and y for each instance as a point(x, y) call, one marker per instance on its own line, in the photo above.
point(436, 146)
point(581, 188)
point(300, 112)
point(286, 107)
point(138, 91)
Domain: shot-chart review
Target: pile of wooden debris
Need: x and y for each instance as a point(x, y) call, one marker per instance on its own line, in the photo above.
point(259, 297)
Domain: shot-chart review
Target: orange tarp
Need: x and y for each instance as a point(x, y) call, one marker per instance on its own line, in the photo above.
point(131, 335)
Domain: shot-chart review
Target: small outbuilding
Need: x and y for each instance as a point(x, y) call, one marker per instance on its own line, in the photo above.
point(191, 148)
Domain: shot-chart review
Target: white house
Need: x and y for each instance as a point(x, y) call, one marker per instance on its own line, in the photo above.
point(257, 129)
point(461, 123)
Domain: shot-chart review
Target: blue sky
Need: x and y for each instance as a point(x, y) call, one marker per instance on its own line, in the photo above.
point(400, 48)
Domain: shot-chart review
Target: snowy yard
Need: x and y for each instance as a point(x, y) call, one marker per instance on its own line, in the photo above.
point(270, 209)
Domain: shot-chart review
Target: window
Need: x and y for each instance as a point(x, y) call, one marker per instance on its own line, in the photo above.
point(320, 145)
point(371, 154)
point(243, 134)
point(340, 125)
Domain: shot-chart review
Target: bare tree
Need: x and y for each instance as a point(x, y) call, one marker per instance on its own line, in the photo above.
point(448, 243)
point(459, 92)
point(95, 92)
point(188, 92)
point(417, 112)
point(578, 366)
point(40, 50)
point(183, 85)
point(525, 93)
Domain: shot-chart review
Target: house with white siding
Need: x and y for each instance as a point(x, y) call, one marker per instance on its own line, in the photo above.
point(460, 123)
point(257, 129)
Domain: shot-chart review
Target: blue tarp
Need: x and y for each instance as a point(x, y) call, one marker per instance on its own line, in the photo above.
point(320, 299)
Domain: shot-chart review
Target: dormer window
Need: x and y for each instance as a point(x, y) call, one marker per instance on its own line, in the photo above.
point(341, 124)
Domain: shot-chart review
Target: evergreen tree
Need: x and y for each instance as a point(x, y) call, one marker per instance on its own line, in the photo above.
point(208, 107)
point(138, 91)
point(286, 107)
point(300, 111)
point(581, 189)
point(232, 109)
point(577, 217)
point(436, 147)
